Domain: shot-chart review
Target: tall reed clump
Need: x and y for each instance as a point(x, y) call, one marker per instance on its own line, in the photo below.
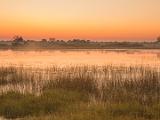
point(21, 79)
point(77, 79)
point(133, 84)
point(109, 83)
point(113, 91)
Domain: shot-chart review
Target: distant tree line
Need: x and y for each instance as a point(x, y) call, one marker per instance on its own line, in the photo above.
point(18, 40)
point(53, 43)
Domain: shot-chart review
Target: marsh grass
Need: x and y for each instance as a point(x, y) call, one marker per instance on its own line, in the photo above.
point(16, 105)
point(81, 93)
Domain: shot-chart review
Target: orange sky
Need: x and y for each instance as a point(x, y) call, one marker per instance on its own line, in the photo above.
point(85, 19)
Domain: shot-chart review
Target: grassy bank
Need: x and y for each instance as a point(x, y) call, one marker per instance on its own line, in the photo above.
point(80, 93)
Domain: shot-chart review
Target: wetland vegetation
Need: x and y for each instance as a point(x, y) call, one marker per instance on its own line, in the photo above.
point(18, 43)
point(80, 92)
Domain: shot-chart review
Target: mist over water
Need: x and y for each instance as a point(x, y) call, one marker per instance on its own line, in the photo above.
point(63, 58)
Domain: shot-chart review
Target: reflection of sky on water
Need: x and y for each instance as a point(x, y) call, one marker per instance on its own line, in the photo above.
point(80, 57)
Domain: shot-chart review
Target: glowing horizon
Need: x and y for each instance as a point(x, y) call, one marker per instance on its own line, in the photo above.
point(84, 19)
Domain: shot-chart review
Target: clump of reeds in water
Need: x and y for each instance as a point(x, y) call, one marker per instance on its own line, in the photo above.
point(130, 86)
point(109, 83)
point(21, 79)
point(104, 81)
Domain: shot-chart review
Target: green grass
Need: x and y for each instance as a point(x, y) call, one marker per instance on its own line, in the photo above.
point(16, 105)
point(81, 93)
point(70, 105)
point(103, 111)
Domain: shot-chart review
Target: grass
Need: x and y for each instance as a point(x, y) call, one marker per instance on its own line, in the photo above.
point(16, 105)
point(80, 93)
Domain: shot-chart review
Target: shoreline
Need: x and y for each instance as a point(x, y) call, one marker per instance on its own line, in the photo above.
point(47, 49)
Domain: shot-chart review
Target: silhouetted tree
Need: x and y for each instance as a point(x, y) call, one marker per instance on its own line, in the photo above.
point(52, 39)
point(18, 40)
point(88, 41)
point(43, 40)
point(158, 39)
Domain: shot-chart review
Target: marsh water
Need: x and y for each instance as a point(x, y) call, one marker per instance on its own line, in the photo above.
point(21, 70)
point(80, 57)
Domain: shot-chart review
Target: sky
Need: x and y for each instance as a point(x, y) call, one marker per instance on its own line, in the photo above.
point(131, 20)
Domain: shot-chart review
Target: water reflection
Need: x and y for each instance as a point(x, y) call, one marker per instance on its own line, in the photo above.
point(80, 57)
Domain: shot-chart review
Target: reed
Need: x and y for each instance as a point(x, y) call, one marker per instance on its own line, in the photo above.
point(113, 92)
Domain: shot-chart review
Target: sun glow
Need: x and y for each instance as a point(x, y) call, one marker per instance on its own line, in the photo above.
point(91, 19)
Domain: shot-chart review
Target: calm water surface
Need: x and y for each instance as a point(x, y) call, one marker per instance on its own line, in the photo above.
point(79, 57)
point(63, 58)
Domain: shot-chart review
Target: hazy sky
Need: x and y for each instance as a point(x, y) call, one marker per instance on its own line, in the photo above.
point(86, 19)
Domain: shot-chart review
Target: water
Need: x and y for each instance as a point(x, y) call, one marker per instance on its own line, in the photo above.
point(80, 57)
point(31, 60)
